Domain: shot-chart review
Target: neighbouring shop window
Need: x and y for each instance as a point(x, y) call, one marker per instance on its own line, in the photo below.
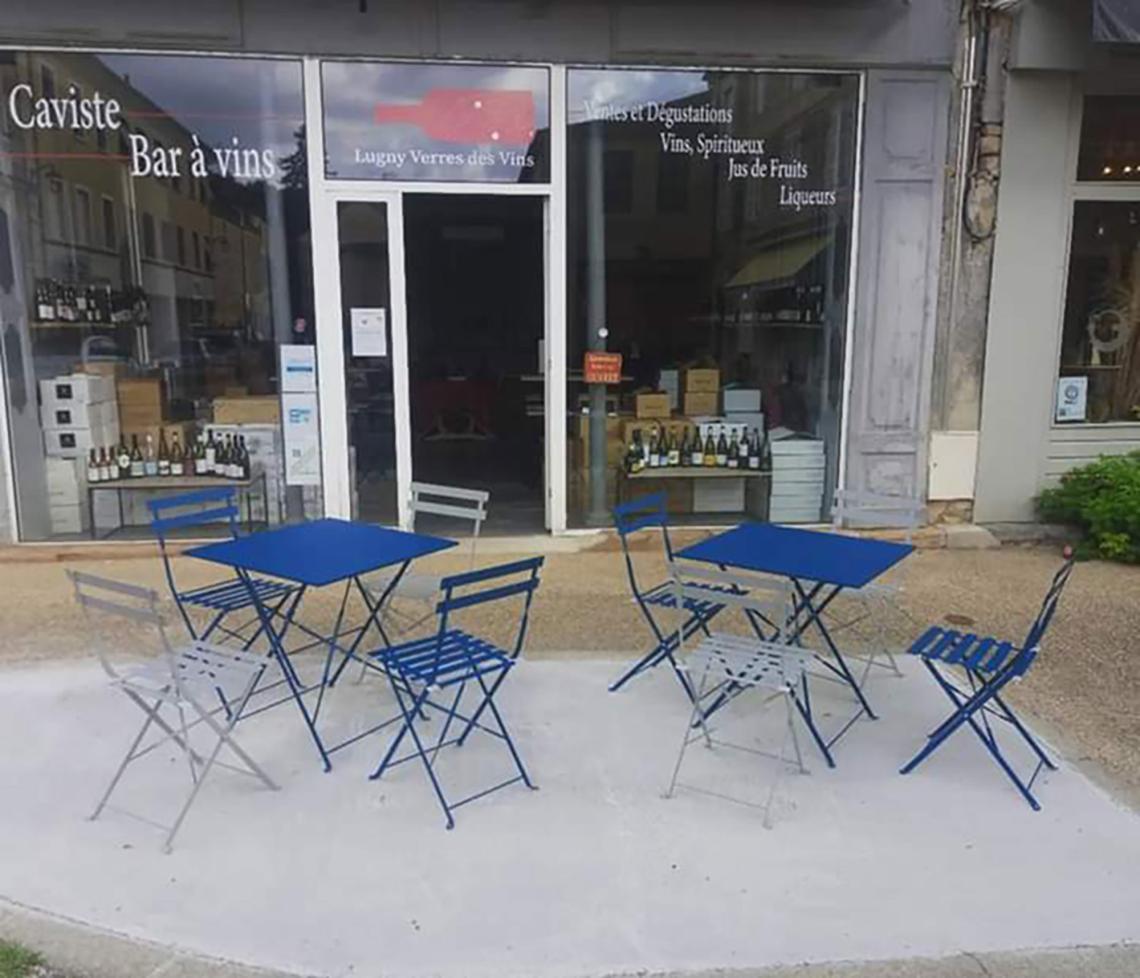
point(709, 236)
point(120, 176)
point(1100, 345)
point(1110, 139)
point(446, 122)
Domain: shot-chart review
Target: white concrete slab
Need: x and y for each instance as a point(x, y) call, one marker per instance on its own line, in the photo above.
point(592, 874)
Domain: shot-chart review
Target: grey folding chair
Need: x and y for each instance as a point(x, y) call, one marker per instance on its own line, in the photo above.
point(210, 683)
point(427, 498)
point(878, 600)
point(766, 661)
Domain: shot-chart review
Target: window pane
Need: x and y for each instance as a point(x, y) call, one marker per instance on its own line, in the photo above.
point(709, 216)
point(436, 122)
point(178, 351)
point(1110, 138)
point(1100, 347)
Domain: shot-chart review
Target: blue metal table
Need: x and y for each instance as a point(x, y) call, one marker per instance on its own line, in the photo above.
point(318, 554)
point(819, 565)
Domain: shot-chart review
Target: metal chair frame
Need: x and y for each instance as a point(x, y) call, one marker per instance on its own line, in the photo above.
point(775, 664)
point(183, 678)
point(851, 508)
point(989, 665)
point(649, 513)
point(452, 658)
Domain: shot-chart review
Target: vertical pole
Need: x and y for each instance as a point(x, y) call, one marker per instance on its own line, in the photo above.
point(596, 314)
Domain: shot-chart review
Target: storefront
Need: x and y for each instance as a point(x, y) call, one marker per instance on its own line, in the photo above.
point(565, 279)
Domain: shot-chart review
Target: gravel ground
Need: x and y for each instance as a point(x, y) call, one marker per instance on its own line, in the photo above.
point(1083, 691)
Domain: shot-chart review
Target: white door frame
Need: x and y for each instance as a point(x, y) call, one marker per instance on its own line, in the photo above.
point(324, 195)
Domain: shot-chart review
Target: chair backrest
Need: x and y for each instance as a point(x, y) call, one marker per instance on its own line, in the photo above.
point(853, 508)
point(484, 586)
point(643, 513)
point(763, 598)
point(120, 600)
point(1048, 606)
point(454, 502)
point(197, 508)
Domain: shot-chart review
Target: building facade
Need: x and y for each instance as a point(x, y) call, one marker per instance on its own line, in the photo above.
point(340, 246)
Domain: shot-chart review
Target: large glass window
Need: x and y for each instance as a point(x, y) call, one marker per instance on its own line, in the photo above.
point(401, 121)
point(709, 240)
point(120, 177)
point(1099, 371)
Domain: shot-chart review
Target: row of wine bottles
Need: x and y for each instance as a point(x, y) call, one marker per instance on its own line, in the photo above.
point(63, 302)
point(663, 450)
point(226, 458)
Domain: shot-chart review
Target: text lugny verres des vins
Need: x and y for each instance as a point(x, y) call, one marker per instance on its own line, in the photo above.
point(747, 157)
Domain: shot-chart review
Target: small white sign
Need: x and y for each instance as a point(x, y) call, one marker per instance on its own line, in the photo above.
point(369, 332)
point(298, 368)
point(1072, 398)
point(302, 439)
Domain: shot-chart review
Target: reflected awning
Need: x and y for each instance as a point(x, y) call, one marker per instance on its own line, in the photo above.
point(1116, 21)
point(778, 264)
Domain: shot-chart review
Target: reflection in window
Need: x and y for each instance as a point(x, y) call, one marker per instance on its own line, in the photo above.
point(150, 249)
point(1100, 347)
point(110, 226)
point(1110, 139)
point(82, 216)
point(708, 242)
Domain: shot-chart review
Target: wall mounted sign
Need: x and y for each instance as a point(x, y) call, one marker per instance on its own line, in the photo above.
point(601, 368)
point(369, 332)
point(436, 122)
point(1072, 398)
point(302, 439)
point(298, 368)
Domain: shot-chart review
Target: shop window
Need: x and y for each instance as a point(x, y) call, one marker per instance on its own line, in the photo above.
point(82, 216)
point(125, 353)
point(723, 292)
point(446, 122)
point(1099, 379)
point(1110, 139)
point(110, 225)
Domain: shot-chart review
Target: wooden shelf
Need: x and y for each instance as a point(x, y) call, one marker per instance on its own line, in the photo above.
point(174, 482)
point(694, 472)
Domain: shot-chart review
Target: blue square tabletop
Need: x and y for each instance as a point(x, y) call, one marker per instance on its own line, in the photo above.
point(805, 554)
point(321, 552)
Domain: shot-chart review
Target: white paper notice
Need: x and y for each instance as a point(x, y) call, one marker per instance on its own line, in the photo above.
point(302, 439)
point(298, 368)
point(1072, 398)
point(369, 332)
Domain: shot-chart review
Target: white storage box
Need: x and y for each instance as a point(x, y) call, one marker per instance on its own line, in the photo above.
point(718, 495)
point(66, 480)
point(70, 517)
point(670, 382)
point(740, 399)
point(76, 389)
point(750, 419)
point(73, 442)
point(80, 414)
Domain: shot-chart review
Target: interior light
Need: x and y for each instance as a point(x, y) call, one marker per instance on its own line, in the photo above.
point(1107, 171)
point(1128, 169)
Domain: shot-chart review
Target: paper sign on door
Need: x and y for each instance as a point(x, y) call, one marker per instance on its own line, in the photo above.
point(369, 332)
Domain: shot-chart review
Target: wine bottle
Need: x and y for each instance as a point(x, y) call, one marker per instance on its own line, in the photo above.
point(150, 460)
point(734, 452)
point(124, 458)
point(137, 463)
point(710, 450)
point(683, 449)
point(696, 450)
point(163, 454)
point(754, 450)
point(246, 461)
point(93, 475)
point(177, 457)
point(80, 296)
point(45, 310)
point(721, 450)
point(654, 461)
point(200, 454)
point(211, 456)
point(105, 464)
point(766, 454)
point(227, 464)
point(672, 452)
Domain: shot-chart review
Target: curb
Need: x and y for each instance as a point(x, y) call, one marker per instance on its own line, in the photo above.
point(93, 952)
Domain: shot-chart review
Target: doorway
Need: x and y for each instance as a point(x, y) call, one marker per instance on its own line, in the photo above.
point(474, 273)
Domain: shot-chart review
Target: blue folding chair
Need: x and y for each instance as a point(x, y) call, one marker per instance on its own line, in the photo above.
point(453, 659)
point(215, 506)
point(989, 664)
point(648, 513)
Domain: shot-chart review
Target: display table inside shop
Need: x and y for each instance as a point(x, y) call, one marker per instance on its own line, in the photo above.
point(713, 490)
point(180, 483)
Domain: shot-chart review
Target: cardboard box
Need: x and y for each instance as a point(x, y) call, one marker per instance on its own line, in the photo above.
point(718, 495)
point(75, 442)
point(702, 380)
point(66, 480)
point(74, 518)
point(652, 405)
point(629, 425)
point(247, 410)
point(741, 399)
point(114, 369)
point(140, 401)
point(714, 424)
point(69, 390)
point(700, 402)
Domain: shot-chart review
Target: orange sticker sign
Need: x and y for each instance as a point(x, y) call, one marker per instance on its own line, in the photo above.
point(601, 368)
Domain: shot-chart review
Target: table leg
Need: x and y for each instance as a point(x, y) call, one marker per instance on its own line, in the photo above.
point(280, 654)
point(91, 510)
point(373, 618)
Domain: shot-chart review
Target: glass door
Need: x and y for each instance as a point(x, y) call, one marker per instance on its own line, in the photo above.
point(370, 277)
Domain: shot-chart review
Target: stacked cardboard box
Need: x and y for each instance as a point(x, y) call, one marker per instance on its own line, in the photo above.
point(247, 410)
point(798, 466)
point(702, 391)
point(67, 495)
point(78, 413)
point(140, 403)
point(742, 405)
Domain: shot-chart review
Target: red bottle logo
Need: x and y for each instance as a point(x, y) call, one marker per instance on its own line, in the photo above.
point(466, 115)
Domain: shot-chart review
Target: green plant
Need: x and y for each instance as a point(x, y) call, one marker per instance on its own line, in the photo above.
point(16, 961)
point(1103, 499)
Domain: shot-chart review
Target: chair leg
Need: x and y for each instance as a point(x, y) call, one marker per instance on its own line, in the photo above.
point(489, 699)
point(789, 734)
